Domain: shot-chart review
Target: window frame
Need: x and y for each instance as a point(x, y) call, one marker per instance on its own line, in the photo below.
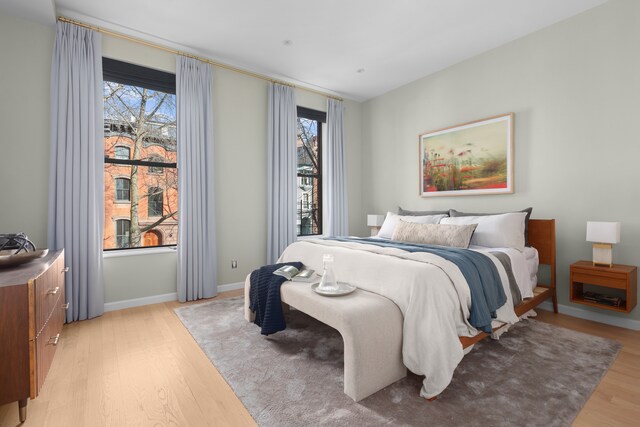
point(139, 76)
point(320, 117)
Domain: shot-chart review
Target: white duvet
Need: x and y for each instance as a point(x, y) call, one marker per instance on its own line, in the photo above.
point(430, 291)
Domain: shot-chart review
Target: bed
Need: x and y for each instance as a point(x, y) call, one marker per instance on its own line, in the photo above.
point(435, 329)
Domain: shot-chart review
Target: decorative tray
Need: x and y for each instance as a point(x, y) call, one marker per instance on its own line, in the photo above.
point(343, 289)
point(21, 258)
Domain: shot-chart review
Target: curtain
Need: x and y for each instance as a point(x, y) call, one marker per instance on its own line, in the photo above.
point(281, 170)
point(76, 188)
point(336, 179)
point(196, 223)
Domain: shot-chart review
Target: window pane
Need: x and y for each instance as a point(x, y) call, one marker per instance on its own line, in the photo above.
point(122, 152)
point(122, 233)
point(307, 146)
point(308, 207)
point(309, 150)
point(140, 126)
point(156, 208)
point(156, 159)
point(123, 189)
point(155, 201)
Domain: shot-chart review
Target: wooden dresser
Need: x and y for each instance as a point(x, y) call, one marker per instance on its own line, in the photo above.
point(32, 313)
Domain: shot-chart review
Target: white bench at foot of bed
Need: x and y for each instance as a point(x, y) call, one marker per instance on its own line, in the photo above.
point(371, 328)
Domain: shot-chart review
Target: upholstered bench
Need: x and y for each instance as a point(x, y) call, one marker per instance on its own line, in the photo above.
point(370, 325)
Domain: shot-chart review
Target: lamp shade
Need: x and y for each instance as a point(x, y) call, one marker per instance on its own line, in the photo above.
point(375, 220)
point(603, 232)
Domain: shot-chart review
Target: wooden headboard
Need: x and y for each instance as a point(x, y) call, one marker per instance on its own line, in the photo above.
point(542, 236)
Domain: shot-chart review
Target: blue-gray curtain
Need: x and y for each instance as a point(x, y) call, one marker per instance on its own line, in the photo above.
point(196, 223)
point(282, 166)
point(335, 172)
point(76, 173)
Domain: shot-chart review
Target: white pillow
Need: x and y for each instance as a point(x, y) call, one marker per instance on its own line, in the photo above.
point(390, 222)
point(494, 231)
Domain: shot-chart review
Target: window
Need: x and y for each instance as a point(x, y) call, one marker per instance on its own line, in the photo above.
point(139, 156)
point(155, 169)
point(309, 155)
point(122, 233)
point(121, 152)
point(123, 190)
point(154, 200)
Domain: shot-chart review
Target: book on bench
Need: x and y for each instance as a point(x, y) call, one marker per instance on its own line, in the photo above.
point(289, 272)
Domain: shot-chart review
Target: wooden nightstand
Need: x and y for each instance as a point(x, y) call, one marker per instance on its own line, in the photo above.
point(623, 277)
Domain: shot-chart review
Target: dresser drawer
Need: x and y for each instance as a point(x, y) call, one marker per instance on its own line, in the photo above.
point(48, 288)
point(47, 341)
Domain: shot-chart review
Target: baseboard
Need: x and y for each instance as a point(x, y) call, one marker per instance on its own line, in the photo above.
point(230, 287)
point(592, 315)
point(137, 302)
point(155, 299)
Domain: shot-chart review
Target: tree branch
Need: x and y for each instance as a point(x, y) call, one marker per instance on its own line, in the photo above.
point(125, 104)
point(158, 222)
point(152, 113)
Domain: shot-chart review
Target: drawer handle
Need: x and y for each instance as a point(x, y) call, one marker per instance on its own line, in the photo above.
point(65, 270)
point(54, 340)
point(65, 306)
point(53, 291)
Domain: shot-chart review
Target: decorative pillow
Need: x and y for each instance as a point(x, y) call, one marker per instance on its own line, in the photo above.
point(421, 213)
point(453, 212)
point(456, 236)
point(390, 222)
point(495, 231)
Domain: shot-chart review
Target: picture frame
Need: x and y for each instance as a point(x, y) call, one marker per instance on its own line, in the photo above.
point(474, 158)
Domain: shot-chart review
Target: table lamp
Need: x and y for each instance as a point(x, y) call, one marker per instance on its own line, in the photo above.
point(603, 235)
point(375, 222)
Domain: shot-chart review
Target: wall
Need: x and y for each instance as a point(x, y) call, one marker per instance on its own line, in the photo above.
point(575, 91)
point(240, 123)
point(24, 124)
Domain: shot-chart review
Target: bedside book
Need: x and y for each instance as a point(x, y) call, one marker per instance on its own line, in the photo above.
point(289, 272)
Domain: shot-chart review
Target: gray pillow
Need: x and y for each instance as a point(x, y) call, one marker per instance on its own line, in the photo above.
point(454, 213)
point(420, 213)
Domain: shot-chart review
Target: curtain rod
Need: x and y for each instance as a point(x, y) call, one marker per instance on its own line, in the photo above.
point(189, 55)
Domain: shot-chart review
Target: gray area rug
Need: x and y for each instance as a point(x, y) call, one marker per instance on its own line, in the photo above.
point(536, 374)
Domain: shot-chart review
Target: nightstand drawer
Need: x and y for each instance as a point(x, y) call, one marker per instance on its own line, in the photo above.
point(616, 281)
point(600, 272)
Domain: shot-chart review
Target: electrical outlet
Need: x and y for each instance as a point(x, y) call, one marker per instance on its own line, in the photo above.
point(234, 263)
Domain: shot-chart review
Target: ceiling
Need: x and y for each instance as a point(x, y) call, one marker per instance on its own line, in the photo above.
point(358, 49)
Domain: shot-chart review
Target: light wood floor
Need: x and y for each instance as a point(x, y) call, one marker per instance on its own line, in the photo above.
point(141, 367)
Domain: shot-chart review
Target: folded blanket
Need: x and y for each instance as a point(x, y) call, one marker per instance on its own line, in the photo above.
point(516, 295)
point(264, 297)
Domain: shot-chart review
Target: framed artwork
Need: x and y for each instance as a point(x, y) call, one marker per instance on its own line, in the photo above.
point(468, 159)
